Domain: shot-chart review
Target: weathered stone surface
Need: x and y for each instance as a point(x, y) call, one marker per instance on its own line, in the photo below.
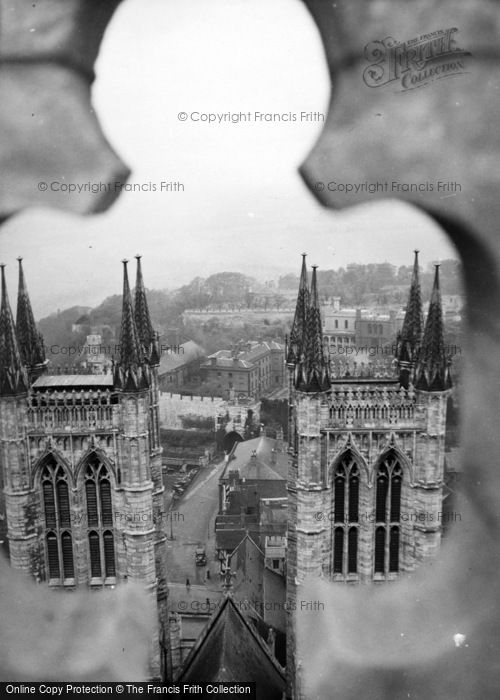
point(438, 132)
point(50, 133)
point(398, 641)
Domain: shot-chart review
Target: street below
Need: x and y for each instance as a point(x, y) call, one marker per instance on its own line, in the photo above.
point(190, 523)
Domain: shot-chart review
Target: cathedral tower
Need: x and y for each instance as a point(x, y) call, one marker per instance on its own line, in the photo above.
point(309, 387)
point(367, 455)
point(16, 499)
point(148, 339)
point(80, 462)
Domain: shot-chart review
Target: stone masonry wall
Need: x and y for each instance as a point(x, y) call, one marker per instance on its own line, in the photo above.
point(173, 406)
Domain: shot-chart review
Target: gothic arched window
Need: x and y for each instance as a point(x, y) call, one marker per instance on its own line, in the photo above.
point(57, 513)
point(99, 520)
point(388, 515)
point(345, 516)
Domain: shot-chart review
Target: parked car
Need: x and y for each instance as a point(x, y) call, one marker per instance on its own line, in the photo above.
point(200, 556)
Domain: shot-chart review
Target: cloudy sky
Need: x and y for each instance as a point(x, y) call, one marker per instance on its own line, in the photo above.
point(244, 206)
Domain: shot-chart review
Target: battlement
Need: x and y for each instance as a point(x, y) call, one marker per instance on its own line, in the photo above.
point(370, 406)
point(72, 410)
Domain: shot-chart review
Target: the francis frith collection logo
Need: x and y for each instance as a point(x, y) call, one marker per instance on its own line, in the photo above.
point(414, 63)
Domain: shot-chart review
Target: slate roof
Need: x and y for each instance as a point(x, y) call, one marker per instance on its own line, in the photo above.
point(243, 359)
point(230, 538)
point(73, 381)
point(230, 649)
point(226, 360)
point(240, 549)
point(259, 466)
point(260, 349)
point(169, 361)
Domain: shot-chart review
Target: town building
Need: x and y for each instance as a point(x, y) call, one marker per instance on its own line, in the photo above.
point(256, 469)
point(251, 369)
point(365, 484)
point(96, 357)
point(378, 329)
point(358, 328)
point(260, 592)
point(178, 364)
point(272, 530)
point(339, 325)
point(239, 315)
point(80, 462)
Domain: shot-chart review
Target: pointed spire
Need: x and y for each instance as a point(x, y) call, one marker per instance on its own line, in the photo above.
point(130, 371)
point(13, 379)
point(433, 368)
point(147, 335)
point(410, 337)
point(31, 345)
point(299, 321)
point(312, 369)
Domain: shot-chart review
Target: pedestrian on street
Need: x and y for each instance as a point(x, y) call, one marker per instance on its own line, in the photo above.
point(188, 584)
point(208, 574)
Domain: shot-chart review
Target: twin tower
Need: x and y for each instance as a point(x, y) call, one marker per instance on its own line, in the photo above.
point(80, 461)
point(367, 454)
point(81, 485)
